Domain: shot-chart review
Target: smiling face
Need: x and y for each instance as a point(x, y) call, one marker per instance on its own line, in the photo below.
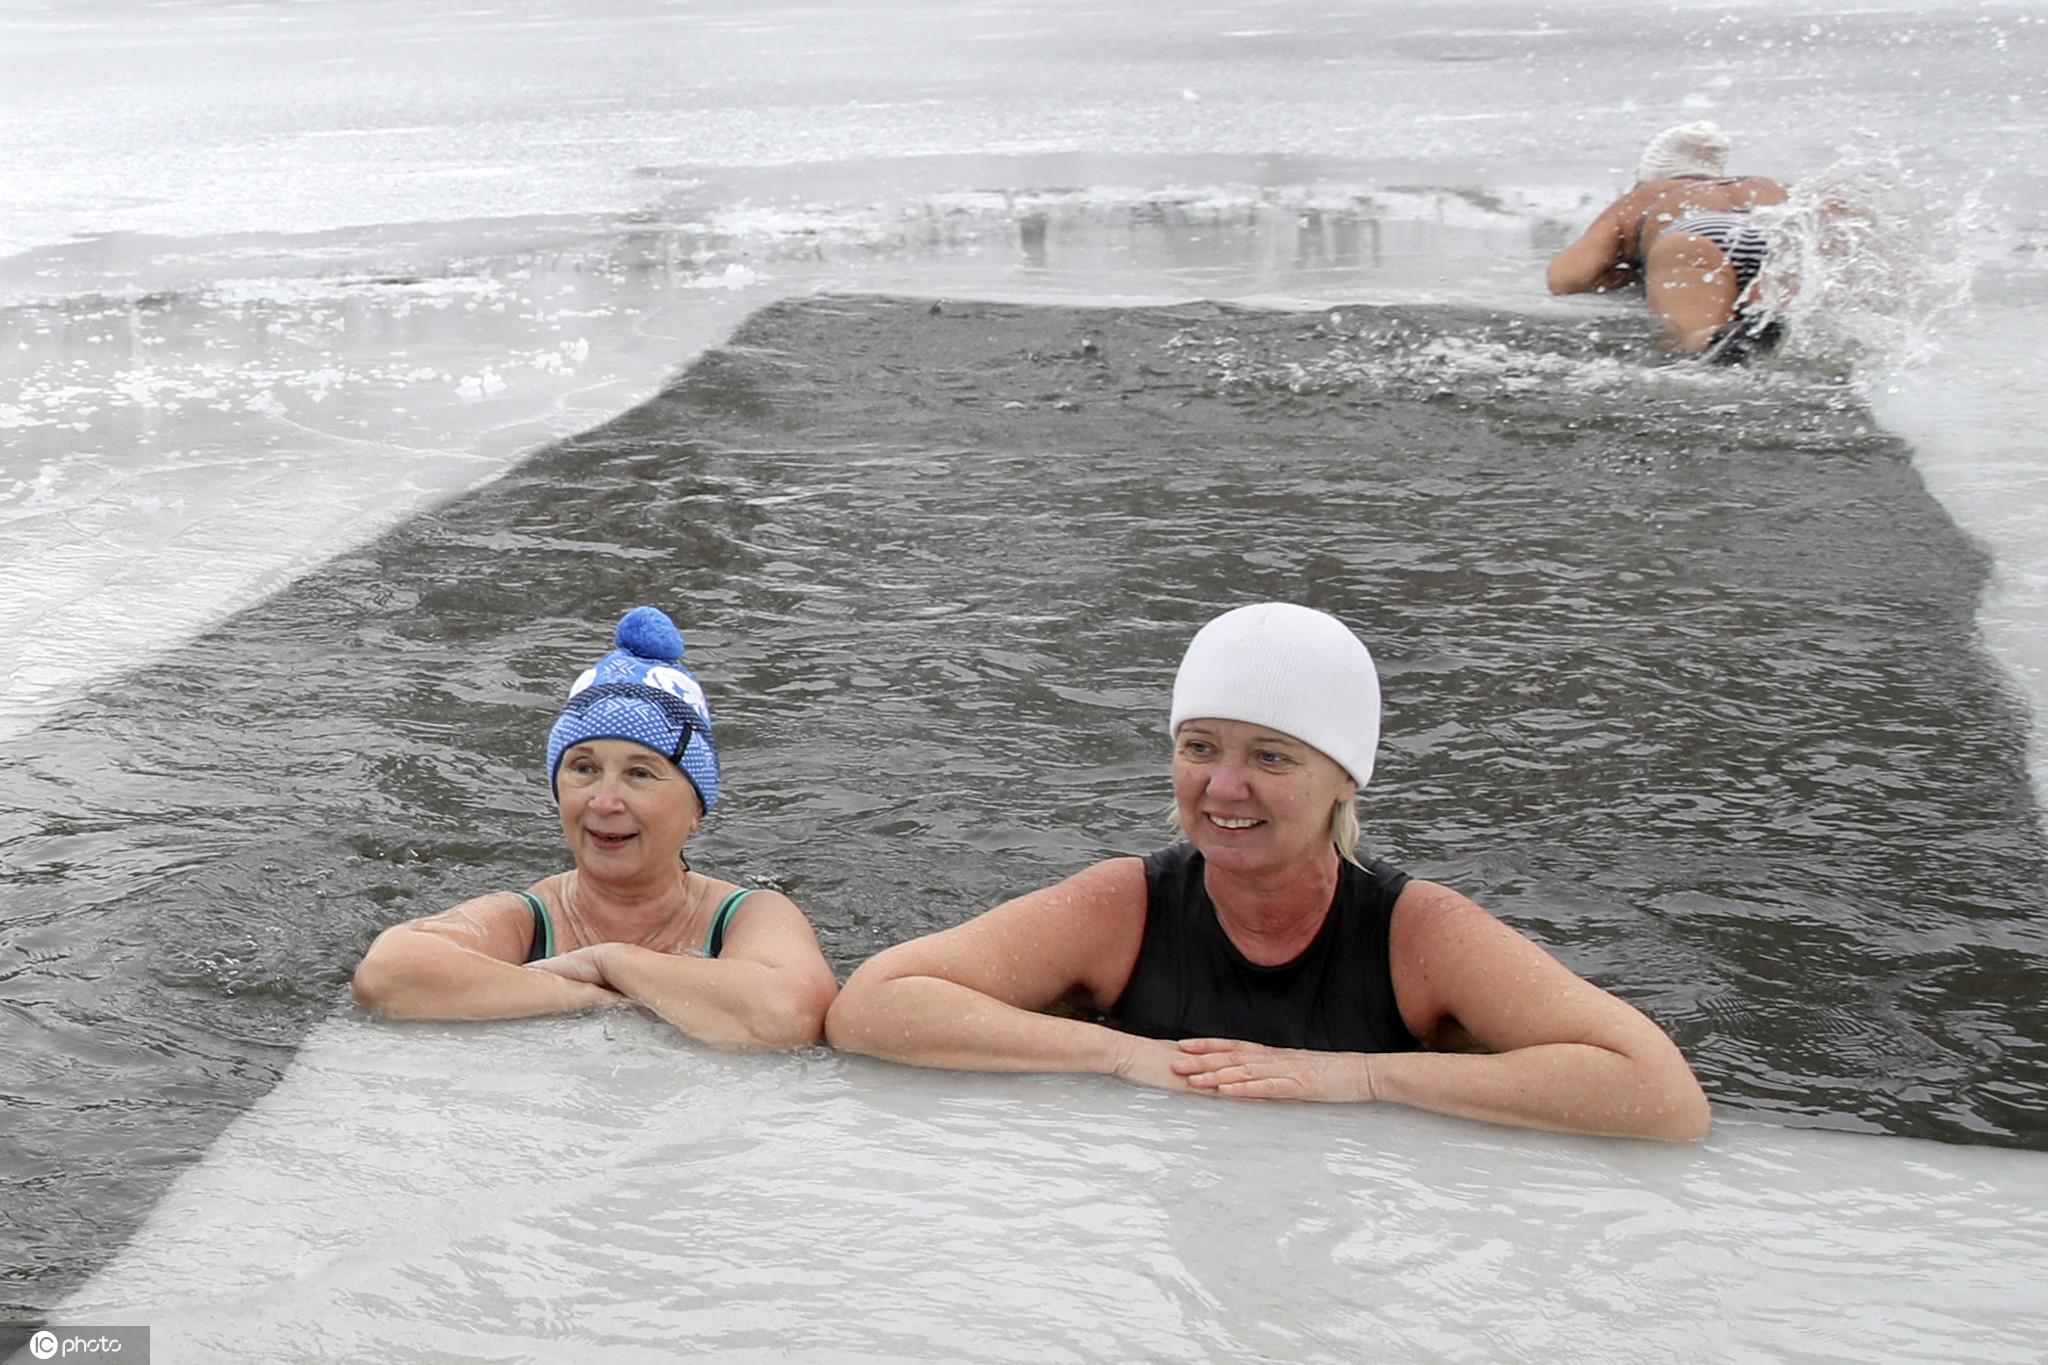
point(626, 810)
point(1252, 799)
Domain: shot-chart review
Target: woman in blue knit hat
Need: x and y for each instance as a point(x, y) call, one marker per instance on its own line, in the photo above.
point(634, 769)
point(1261, 958)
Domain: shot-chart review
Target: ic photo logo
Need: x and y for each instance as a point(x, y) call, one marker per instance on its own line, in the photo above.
point(74, 1345)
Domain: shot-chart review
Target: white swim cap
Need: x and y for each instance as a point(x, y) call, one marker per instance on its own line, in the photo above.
point(1298, 670)
point(1688, 149)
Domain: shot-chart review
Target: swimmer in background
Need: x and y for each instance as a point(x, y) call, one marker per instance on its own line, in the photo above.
point(1686, 234)
point(1260, 958)
point(634, 771)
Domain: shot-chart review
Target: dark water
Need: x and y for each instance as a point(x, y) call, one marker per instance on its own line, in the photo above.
point(1680, 670)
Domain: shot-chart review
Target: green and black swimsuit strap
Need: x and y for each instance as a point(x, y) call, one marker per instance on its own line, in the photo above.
point(714, 942)
point(543, 928)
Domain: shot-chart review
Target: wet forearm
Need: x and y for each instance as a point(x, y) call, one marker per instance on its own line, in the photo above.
point(726, 1003)
point(1614, 277)
point(1561, 1087)
point(927, 1021)
point(419, 976)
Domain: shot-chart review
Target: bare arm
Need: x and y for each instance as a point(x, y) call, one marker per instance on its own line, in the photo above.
point(769, 987)
point(969, 997)
point(465, 963)
point(1559, 1053)
point(1603, 257)
point(1562, 1054)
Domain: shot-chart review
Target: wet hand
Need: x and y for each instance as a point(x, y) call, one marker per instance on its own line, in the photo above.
point(1148, 1061)
point(1252, 1071)
point(585, 965)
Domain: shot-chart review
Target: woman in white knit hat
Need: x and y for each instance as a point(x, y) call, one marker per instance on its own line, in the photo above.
point(1686, 234)
point(1260, 958)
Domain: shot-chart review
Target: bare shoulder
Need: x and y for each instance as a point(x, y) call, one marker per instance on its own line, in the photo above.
point(1761, 189)
point(756, 903)
point(1455, 964)
point(1428, 914)
point(1634, 200)
point(1676, 198)
point(761, 898)
point(1087, 902)
point(1450, 955)
point(489, 908)
point(1099, 905)
point(770, 930)
point(1109, 884)
point(497, 923)
point(765, 916)
point(1084, 932)
point(1626, 211)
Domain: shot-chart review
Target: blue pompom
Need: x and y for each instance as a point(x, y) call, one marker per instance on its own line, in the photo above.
point(647, 633)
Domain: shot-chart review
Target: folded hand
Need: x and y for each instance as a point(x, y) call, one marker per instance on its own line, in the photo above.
point(584, 964)
point(1253, 1071)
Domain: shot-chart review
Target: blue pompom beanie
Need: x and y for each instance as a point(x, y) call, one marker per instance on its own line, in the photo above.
point(641, 692)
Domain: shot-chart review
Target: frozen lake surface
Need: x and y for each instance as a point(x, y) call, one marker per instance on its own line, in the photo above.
point(831, 1208)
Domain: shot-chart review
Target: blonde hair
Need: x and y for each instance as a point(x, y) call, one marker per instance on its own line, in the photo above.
point(1344, 829)
point(1345, 833)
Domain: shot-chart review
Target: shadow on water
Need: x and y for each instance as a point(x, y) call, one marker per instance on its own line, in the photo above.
point(1680, 669)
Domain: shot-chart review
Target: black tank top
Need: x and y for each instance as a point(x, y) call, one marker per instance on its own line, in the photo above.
point(1190, 980)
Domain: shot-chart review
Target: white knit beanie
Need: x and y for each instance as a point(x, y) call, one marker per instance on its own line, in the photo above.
point(1298, 670)
point(1689, 149)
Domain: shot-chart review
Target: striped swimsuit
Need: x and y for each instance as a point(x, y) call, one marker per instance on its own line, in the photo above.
point(1743, 242)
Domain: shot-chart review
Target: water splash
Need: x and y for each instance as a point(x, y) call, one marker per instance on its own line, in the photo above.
point(1870, 266)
